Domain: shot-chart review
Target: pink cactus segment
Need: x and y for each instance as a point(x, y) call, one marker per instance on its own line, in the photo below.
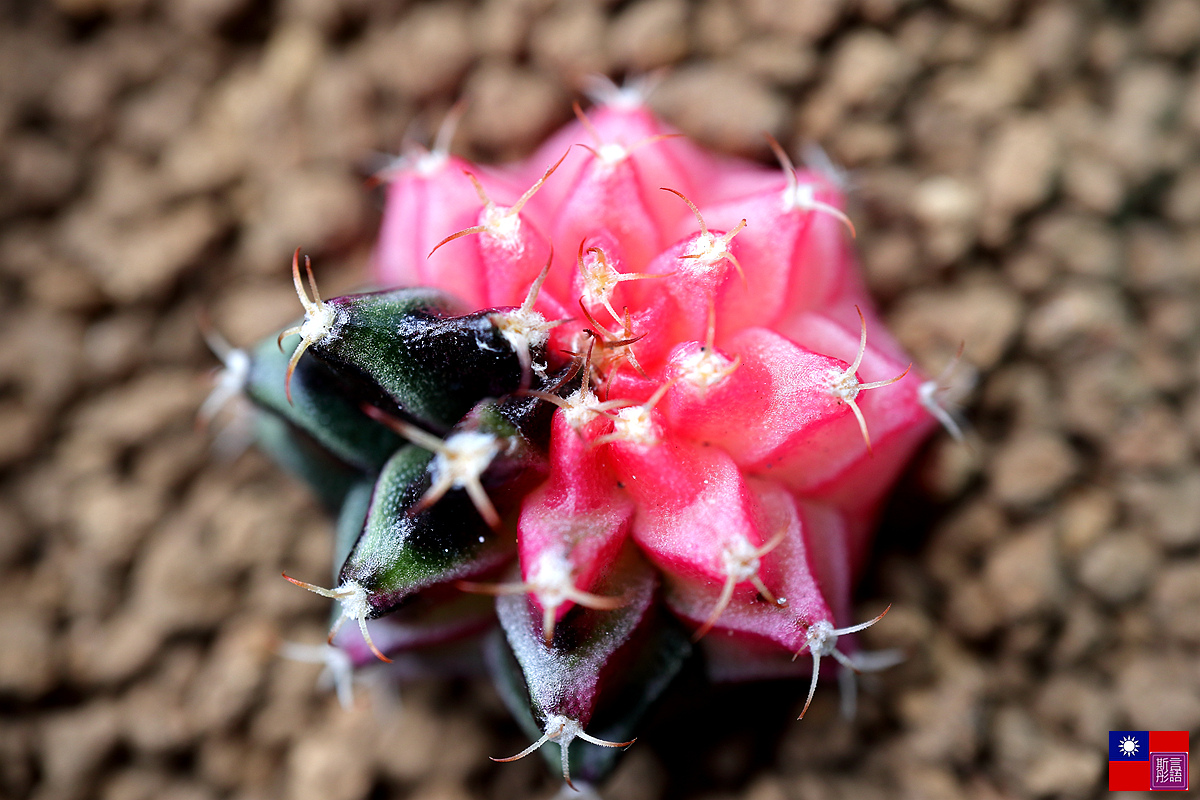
point(832, 463)
point(776, 397)
point(794, 249)
point(623, 132)
point(602, 278)
point(724, 406)
point(692, 502)
point(828, 539)
point(428, 198)
point(608, 200)
point(786, 570)
point(579, 517)
point(676, 309)
point(510, 247)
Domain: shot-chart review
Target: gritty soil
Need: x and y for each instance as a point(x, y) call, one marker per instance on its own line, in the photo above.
point(1026, 178)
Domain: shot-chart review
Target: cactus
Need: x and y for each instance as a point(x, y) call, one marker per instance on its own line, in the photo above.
point(646, 411)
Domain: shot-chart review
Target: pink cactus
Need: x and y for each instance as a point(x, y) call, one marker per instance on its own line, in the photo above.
point(743, 413)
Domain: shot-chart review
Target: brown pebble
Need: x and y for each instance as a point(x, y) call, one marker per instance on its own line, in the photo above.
point(1077, 704)
point(1118, 568)
point(332, 763)
point(983, 315)
point(1159, 691)
point(144, 259)
point(989, 10)
point(1083, 244)
point(746, 108)
point(427, 52)
point(511, 107)
point(1084, 517)
point(41, 173)
point(74, 743)
point(28, 663)
point(137, 411)
point(1171, 27)
point(1064, 770)
point(1019, 167)
point(1023, 573)
point(1054, 36)
point(1032, 467)
point(1169, 508)
point(1082, 315)
point(806, 20)
point(570, 40)
point(317, 210)
point(1176, 596)
point(229, 681)
point(648, 34)
point(865, 67)
point(1094, 181)
point(942, 722)
point(1152, 439)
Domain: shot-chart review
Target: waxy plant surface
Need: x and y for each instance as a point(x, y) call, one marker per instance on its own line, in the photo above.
point(648, 372)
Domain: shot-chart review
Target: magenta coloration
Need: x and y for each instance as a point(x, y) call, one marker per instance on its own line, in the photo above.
point(744, 412)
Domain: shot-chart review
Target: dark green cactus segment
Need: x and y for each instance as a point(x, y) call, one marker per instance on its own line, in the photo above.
point(663, 650)
point(518, 464)
point(604, 669)
point(350, 521)
point(659, 656)
point(322, 406)
point(401, 551)
point(300, 454)
point(531, 415)
point(433, 366)
point(566, 676)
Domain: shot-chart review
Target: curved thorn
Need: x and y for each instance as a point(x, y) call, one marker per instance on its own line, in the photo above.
point(722, 603)
point(691, 205)
point(483, 503)
point(459, 235)
point(311, 587)
point(862, 423)
point(864, 625)
point(862, 343)
point(483, 198)
point(812, 686)
point(533, 747)
point(549, 618)
point(596, 602)
point(587, 737)
point(449, 126)
point(516, 207)
point(888, 382)
point(536, 286)
point(564, 753)
point(298, 283)
point(842, 659)
point(362, 626)
point(312, 282)
point(587, 126)
point(291, 368)
point(789, 170)
point(766, 593)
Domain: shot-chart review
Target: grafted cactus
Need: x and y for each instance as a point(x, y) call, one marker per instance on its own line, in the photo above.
point(641, 398)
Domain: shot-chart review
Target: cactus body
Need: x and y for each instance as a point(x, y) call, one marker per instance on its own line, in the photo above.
point(661, 408)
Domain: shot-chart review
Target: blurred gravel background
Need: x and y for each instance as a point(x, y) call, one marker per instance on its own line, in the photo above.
point(1026, 177)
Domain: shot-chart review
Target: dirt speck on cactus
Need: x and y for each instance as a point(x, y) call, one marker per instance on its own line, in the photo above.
point(619, 401)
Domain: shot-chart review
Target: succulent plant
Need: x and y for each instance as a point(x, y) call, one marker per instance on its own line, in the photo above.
point(640, 411)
